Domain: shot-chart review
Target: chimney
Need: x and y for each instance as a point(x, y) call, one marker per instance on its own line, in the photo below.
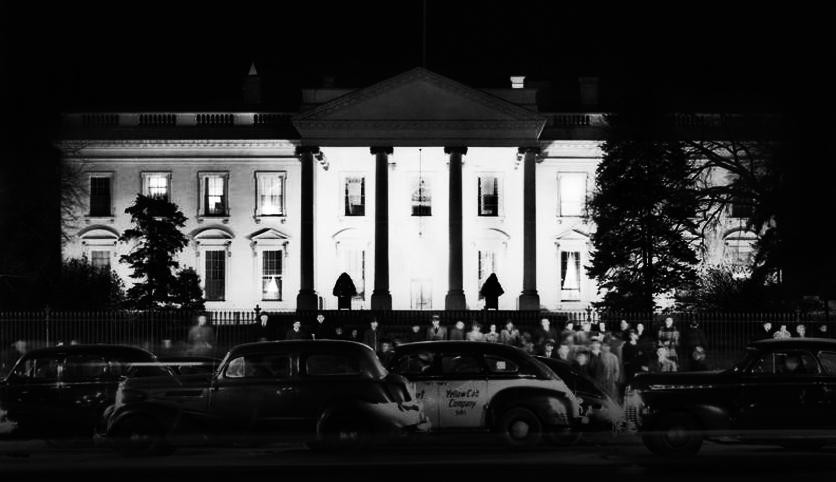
point(589, 92)
point(517, 81)
point(252, 86)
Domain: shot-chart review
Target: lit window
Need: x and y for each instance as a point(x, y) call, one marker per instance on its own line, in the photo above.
point(422, 198)
point(100, 196)
point(421, 294)
point(271, 275)
point(486, 265)
point(355, 196)
point(739, 252)
point(488, 196)
point(100, 259)
point(215, 275)
point(270, 193)
point(570, 276)
point(156, 184)
point(572, 191)
point(213, 191)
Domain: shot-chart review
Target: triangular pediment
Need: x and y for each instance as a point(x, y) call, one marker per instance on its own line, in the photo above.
point(268, 234)
point(572, 234)
point(419, 107)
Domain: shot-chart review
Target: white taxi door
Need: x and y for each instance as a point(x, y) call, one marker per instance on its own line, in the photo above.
point(419, 368)
point(462, 391)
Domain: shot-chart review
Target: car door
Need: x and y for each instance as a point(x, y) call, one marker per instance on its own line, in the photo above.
point(827, 360)
point(87, 388)
point(420, 367)
point(33, 393)
point(254, 393)
point(776, 397)
point(462, 390)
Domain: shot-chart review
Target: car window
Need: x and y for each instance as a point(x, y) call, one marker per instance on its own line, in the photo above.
point(419, 363)
point(828, 361)
point(259, 366)
point(333, 364)
point(461, 364)
point(785, 363)
point(89, 367)
point(41, 368)
point(501, 365)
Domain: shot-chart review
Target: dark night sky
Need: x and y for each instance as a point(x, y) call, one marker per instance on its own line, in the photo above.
point(58, 56)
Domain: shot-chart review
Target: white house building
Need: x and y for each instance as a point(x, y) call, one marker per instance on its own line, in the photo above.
point(418, 187)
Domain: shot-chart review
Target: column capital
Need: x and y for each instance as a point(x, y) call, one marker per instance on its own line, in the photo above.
point(455, 150)
point(381, 150)
point(529, 149)
point(307, 150)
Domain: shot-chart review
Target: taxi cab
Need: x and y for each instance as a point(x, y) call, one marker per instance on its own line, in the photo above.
point(488, 387)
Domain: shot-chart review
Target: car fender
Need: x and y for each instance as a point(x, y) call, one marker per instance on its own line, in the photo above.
point(708, 416)
point(538, 400)
point(168, 416)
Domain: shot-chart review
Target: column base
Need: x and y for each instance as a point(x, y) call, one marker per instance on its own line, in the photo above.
point(307, 300)
point(529, 300)
point(381, 300)
point(455, 300)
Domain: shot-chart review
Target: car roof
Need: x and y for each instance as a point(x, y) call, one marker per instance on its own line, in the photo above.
point(472, 346)
point(88, 348)
point(790, 343)
point(328, 346)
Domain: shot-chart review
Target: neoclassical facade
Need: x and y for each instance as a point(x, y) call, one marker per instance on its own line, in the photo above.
point(418, 187)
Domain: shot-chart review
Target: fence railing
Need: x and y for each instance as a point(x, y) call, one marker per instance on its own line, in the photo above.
point(726, 333)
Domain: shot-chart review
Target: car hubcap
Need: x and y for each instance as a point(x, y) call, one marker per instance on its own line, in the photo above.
point(519, 429)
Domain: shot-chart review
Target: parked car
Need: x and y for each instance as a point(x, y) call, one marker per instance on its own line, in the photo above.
point(604, 413)
point(328, 393)
point(64, 390)
point(191, 364)
point(488, 387)
point(783, 392)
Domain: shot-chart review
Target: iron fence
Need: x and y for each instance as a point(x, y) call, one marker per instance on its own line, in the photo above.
point(726, 333)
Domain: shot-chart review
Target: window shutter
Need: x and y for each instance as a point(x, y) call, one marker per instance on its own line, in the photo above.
point(206, 196)
point(479, 194)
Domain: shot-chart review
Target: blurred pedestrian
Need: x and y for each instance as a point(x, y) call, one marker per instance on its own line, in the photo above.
point(544, 332)
point(372, 335)
point(414, 334)
point(296, 332)
point(321, 330)
point(201, 337)
point(823, 331)
point(339, 333)
point(436, 332)
point(609, 372)
point(354, 335)
point(564, 353)
point(662, 363)
point(527, 344)
point(693, 337)
point(457, 333)
point(548, 349)
point(581, 363)
point(475, 333)
point(510, 335)
point(668, 336)
point(765, 332)
point(801, 331)
point(698, 362)
point(782, 332)
point(386, 351)
point(633, 356)
point(624, 330)
point(492, 336)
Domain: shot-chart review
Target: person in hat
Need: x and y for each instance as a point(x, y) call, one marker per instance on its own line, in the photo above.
point(698, 363)
point(436, 332)
point(321, 330)
point(548, 349)
point(457, 333)
point(372, 336)
point(492, 336)
point(414, 334)
point(510, 335)
point(296, 332)
point(475, 333)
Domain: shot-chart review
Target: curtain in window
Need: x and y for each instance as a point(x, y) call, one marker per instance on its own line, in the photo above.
point(156, 185)
point(570, 271)
point(214, 199)
point(572, 189)
point(354, 196)
point(422, 199)
point(270, 194)
point(271, 275)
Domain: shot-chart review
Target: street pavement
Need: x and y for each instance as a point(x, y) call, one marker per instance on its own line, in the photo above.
point(624, 458)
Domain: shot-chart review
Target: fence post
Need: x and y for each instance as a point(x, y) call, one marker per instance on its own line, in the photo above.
point(46, 323)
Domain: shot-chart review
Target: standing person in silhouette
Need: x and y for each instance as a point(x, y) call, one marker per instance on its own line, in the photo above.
point(436, 332)
point(491, 290)
point(344, 290)
point(296, 332)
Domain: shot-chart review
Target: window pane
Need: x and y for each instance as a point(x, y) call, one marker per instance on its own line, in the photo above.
point(497, 364)
point(422, 199)
point(355, 196)
point(100, 196)
point(327, 364)
point(214, 198)
point(570, 275)
point(215, 275)
point(572, 189)
point(270, 194)
point(488, 196)
point(414, 364)
point(828, 361)
point(100, 259)
point(259, 366)
point(455, 364)
point(156, 185)
point(271, 275)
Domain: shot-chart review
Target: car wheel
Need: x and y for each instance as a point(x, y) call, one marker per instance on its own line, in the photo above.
point(140, 436)
point(520, 428)
point(811, 444)
point(342, 432)
point(674, 435)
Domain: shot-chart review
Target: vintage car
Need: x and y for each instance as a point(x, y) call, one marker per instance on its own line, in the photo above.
point(783, 392)
point(604, 413)
point(327, 393)
point(489, 387)
point(63, 390)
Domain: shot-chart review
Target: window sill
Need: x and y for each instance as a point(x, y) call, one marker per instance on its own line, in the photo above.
point(89, 218)
point(223, 218)
point(282, 218)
